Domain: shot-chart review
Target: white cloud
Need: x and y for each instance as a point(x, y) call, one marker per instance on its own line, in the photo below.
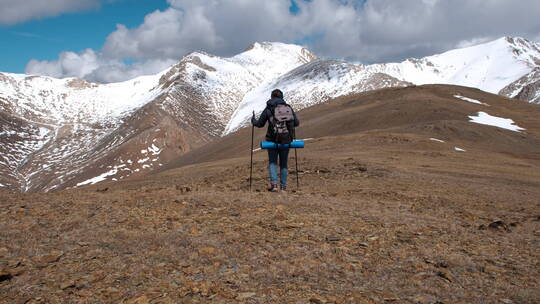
point(95, 67)
point(116, 71)
point(373, 31)
point(378, 30)
point(396, 29)
point(472, 42)
point(69, 64)
point(223, 27)
point(16, 11)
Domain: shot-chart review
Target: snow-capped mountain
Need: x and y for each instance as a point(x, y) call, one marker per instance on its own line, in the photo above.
point(310, 84)
point(59, 133)
point(492, 67)
point(507, 66)
point(53, 125)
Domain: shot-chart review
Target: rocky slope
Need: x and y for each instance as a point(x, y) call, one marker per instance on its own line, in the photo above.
point(527, 87)
point(311, 84)
point(64, 133)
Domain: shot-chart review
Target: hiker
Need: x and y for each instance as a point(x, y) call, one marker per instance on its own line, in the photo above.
point(277, 134)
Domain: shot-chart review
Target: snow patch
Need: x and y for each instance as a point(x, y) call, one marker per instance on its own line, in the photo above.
point(504, 123)
point(98, 179)
point(154, 149)
point(140, 161)
point(460, 149)
point(467, 99)
point(437, 140)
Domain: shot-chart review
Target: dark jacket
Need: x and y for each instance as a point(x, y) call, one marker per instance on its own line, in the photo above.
point(267, 113)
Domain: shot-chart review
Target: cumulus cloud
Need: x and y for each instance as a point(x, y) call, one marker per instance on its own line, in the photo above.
point(371, 31)
point(367, 31)
point(115, 71)
point(391, 29)
point(16, 11)
point(223, 27)
point(93, 66)
point(69, 64)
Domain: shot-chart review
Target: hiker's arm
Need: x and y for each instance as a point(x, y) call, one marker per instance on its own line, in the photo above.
point(259, 123)
point(296, 121)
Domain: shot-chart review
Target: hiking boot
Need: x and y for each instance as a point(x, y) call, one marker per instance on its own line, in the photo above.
point(273, 188)
point(283, 188)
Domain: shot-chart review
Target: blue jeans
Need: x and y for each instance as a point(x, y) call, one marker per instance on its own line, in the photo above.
point(273, 155)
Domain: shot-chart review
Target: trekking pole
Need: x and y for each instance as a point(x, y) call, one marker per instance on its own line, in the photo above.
point(251, 159)
point(296, 160)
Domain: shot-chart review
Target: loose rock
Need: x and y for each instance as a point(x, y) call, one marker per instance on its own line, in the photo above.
point(332, 239)
point(67, 284)
point(44, 260)
point(445, 274)
point(5, 275)
point(245, 295)
point(315, 300)
point(207, 251)
point(499, 225)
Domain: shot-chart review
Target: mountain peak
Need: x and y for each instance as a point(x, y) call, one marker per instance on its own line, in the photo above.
point(266, 45)
point(277, 48)
point(515, 40)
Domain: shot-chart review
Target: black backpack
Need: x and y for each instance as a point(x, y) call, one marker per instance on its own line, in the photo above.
point(282, 122)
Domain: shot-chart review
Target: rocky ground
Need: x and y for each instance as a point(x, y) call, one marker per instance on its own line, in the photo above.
point(380, 217)
point(397, 226)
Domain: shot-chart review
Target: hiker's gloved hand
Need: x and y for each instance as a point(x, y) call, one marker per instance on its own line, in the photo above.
point(253, 119)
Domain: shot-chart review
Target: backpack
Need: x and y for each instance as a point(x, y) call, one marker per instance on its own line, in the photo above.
point(282, 121)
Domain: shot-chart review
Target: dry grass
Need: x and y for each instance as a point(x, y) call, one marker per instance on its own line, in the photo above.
point(383, 216)
point(394, 226)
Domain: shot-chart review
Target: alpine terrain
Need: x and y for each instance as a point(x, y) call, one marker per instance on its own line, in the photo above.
point(418, 195)
point(64, 133)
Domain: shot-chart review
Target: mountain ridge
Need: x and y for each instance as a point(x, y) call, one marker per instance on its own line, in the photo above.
point(185, 106)
point(71, 128)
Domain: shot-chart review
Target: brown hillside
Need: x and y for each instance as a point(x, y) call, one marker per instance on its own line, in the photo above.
point(429, 110)
point(383, 215)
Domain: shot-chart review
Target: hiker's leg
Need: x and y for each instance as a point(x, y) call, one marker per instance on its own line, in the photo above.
point(272, 165)
point(284, 171)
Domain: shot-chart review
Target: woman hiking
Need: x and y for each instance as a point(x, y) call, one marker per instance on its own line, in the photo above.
point(281, 123)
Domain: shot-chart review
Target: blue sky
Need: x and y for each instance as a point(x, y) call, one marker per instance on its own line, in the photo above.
point(44, 39)
point(114, 40)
